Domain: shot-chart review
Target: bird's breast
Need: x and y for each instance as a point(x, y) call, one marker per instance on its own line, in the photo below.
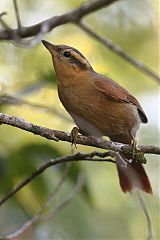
point(97, 115)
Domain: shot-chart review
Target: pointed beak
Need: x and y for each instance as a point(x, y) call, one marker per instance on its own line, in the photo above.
point(51, 48)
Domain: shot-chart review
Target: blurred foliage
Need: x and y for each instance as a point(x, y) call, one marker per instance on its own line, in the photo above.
point(101, 210)
point(21, 162)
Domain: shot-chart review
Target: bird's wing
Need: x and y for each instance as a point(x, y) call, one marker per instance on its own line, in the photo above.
point(115, 92)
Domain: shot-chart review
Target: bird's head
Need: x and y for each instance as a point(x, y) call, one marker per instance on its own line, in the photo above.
point(67, 60)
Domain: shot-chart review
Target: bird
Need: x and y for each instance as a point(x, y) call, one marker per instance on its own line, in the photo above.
point(100, 107)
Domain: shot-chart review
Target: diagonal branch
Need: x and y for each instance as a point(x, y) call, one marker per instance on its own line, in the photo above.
point(148, 220)
point(65, 159)
point(17, 15)
point(39, 216)
point(120, 52)
point(72, 16)
point(56, 135)
point(75, 16)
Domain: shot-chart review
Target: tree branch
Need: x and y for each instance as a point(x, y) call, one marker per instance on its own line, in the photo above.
point(75, 16)
point(39, 216)
point(120, 52)
point(19, 25)
point(115, 149)
point(62, 136)
point(43, 167)
point(72, 16)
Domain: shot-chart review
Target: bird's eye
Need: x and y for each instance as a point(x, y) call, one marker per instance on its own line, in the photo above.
point(66, 54)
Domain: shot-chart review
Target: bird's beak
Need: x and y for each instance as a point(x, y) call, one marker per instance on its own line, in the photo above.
point(51, 48)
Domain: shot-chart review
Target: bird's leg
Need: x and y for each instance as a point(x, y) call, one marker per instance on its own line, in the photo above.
point(134, 154)
point(133, 145)
point(74, 135)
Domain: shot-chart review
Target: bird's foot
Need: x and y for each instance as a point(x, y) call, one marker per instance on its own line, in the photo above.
point(137, 154)
point(74, 135)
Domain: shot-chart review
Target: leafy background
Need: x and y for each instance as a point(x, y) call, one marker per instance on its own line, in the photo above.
point(100, 210)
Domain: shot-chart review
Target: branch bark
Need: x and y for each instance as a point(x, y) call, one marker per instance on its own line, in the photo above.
point(56, 135)
point(72, 16)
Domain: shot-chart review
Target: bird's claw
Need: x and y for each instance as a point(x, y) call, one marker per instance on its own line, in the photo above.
point(74, 135)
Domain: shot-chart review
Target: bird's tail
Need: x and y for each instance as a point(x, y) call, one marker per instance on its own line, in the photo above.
point(132, 175)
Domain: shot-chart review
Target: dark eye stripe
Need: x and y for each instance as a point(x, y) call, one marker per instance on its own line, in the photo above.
point(77, 62)
point(79, 59)
point(75, 57)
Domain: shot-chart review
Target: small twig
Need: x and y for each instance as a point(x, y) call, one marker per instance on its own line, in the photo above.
point(63, 203)
point(120, 52)
point(21, 230)
point(57, 188)
point(43, 167)
point(17, 16)
point(3, 23)
point(2, 14)
point(144, 208)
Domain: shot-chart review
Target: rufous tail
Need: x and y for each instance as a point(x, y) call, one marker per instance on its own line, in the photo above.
point(132, 176)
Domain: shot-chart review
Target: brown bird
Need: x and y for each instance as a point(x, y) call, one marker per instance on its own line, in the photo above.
point(99, 107)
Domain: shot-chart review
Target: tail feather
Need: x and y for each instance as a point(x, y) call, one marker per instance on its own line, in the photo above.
point(133, 176)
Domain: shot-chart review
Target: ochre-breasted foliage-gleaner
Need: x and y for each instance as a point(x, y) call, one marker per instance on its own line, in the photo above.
point(99, 107)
